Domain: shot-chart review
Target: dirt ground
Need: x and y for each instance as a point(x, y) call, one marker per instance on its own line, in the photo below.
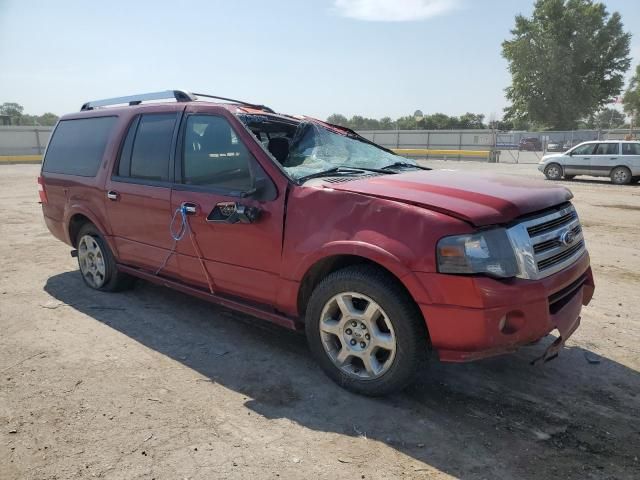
point(154, 384)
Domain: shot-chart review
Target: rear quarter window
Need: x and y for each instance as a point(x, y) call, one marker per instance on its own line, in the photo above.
point(77, 146)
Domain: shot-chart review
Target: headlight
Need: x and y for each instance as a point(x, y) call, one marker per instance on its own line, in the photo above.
point(488, 252)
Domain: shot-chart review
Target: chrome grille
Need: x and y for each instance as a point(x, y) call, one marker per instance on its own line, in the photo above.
point(551, 224)
point(554, 242)
point(547, 243)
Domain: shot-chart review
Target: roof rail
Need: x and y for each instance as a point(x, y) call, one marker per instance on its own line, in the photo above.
point(179, 95)
point(254, 105)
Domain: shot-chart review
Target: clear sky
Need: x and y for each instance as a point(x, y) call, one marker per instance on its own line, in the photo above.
point(367, 57)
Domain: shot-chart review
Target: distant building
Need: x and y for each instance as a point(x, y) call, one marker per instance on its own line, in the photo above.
point(5, 120)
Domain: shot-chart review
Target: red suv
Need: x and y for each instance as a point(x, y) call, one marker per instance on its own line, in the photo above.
point(309, 225)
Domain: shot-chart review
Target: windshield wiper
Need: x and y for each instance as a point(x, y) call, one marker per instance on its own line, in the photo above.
point(405, 164)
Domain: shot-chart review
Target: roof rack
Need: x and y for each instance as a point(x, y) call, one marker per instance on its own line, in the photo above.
point(179, 95)
point(254, 105)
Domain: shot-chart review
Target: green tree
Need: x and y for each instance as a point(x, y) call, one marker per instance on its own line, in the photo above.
point(386, 123)
point(472, 120)
point(48, 119)
point(566, 62)
point(13, 110)
point(631, 98)
point(606, 118)
point(338, 119)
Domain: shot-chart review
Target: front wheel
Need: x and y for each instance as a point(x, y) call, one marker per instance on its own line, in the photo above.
point(365, 331)
point(553, 171)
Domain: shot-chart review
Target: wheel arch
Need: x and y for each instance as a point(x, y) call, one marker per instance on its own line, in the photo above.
point(78, 216)
point(555, 162)
point(326, 264)
point(76, 222)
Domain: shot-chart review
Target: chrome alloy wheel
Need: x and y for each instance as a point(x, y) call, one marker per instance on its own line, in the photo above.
point(553, 172)
point(91, 261)
point(357, 335)
point(621, 176)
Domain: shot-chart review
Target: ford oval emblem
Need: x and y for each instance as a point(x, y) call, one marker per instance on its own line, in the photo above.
point(567, 238)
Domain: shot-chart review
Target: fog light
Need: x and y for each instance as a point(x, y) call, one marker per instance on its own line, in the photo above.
point(502, 323)
point(511, 322)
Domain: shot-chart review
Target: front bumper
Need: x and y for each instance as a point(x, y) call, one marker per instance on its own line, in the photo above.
point(477, 317)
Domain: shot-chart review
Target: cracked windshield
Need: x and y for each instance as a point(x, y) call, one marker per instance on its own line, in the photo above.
point(315, 149)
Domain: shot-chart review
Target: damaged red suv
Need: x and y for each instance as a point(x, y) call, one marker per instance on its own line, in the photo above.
point(309, 225)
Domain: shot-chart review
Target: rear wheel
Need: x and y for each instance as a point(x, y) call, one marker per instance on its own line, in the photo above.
point(365, 331)
point(553, 171)
point(621, 176)
point(97, 263)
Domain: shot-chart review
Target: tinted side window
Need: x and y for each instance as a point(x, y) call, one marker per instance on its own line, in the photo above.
point(584, 149)
point(147, 148)
point(631, 148)
point(607, 149)
point(77, 146)
point(213, 155)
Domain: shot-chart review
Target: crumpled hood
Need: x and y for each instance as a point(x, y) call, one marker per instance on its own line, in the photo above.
point(478, 198)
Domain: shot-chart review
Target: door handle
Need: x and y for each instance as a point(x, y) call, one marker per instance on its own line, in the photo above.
point(586, 158)
point(190, 208)
point(112, 195)
point(613, 158)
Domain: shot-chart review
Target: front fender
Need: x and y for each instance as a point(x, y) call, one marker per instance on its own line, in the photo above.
point(370, 252)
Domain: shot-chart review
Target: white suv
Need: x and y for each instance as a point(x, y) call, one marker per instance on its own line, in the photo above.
point(618, 160)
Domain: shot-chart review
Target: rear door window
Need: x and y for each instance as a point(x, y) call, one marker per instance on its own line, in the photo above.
point(77, 146)
point(606, 149)
point(146, 152)
point(631, 148)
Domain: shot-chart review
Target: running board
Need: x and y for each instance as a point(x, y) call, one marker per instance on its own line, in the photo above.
point(272, 317)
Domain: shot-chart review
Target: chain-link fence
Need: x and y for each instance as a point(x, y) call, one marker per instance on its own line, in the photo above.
point(488, 145)
point(23, 140)
point(483, 145)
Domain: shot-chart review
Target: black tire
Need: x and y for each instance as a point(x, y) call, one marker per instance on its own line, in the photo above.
point(635, 179)
point(114, 280)
point(553, 171)
point(621, 176)
point(411, 337)
point(569, 177)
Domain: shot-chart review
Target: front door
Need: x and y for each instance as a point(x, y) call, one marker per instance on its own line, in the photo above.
point(139, 193)
point(216, 175)
point(579, 162)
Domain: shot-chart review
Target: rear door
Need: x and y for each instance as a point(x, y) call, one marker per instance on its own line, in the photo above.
point(604, 158)
point(216, 175)
point(139, 192)
point(631, 157)
point(579, 161)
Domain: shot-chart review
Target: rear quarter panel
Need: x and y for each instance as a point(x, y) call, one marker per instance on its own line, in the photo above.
point(72, 194)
